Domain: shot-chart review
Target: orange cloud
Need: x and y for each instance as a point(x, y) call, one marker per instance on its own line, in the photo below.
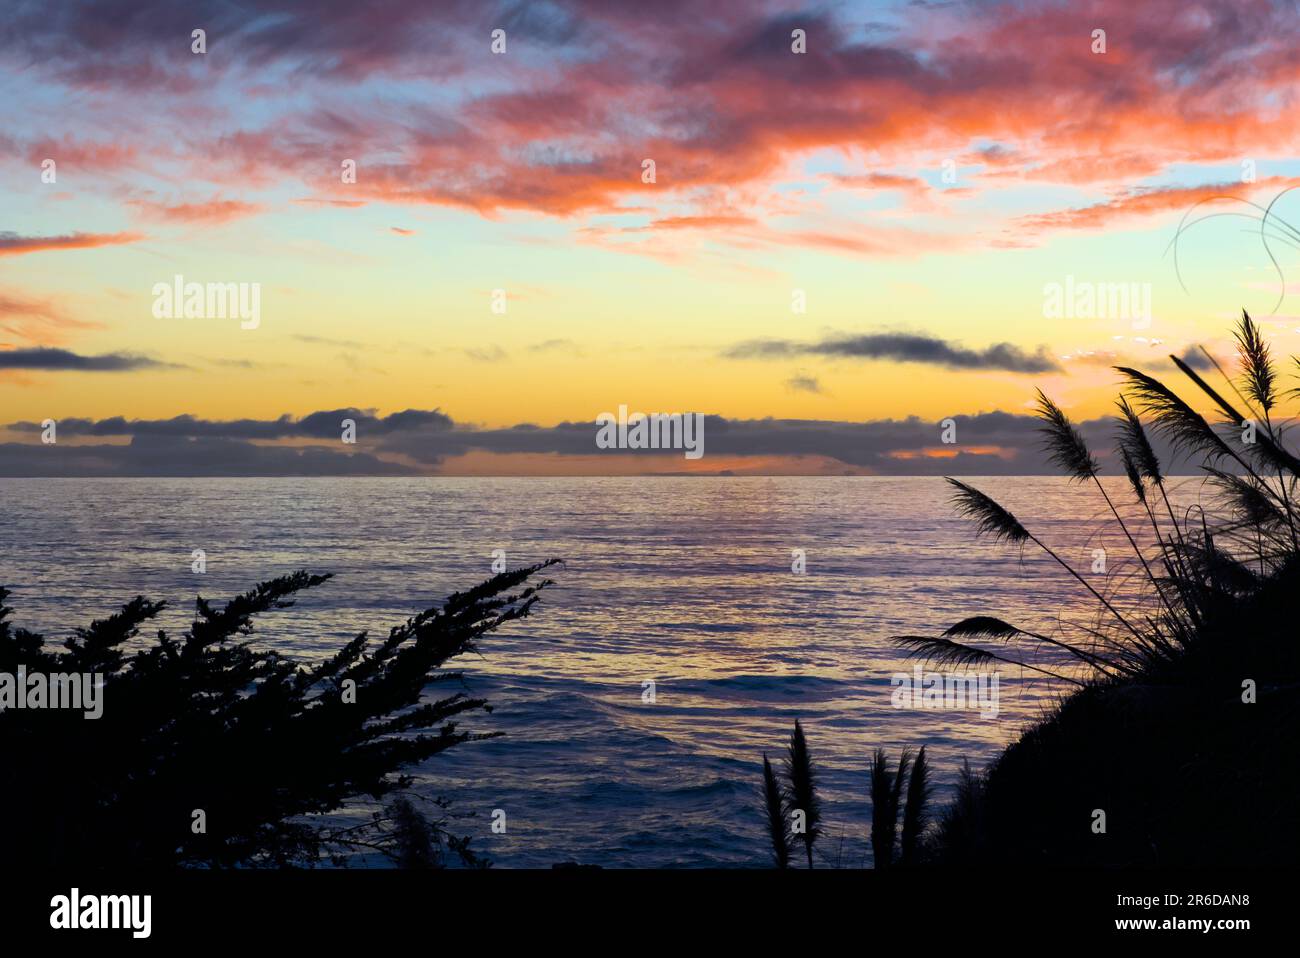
point(321, 201)
point(720, 104)
point(11, 244)
point(1145, 202)
point(104, 156)
point(947, 452)
point(700, 222)
point(215, 210)
point(880, 181)
point(37, 320)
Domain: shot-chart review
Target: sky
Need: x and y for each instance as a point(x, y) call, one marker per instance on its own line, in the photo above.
point(826, 228)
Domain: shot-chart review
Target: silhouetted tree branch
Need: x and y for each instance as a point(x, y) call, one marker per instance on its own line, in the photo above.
point(261, 744)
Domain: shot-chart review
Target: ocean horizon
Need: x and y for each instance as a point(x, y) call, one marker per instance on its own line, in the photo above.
point(687, 585)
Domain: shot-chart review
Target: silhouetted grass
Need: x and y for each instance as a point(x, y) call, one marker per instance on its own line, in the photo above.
point(778, 824)
point(1185, 731)
point(782, 805)
point(916, 810)
point(803, 807)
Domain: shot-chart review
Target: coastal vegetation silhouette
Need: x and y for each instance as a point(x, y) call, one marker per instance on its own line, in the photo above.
point(213, 753)
point(1179, 743)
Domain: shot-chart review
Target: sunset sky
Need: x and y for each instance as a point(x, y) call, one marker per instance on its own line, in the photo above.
point(920, 175)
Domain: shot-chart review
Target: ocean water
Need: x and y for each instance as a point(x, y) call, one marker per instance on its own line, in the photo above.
point(685, 582)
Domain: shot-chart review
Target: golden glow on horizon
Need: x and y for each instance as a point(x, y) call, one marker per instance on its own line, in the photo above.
point(832, 245)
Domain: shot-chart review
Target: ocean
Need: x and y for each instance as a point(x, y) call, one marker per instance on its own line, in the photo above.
point(684, 582)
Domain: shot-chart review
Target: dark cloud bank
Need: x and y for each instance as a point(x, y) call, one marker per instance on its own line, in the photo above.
point(46, 358)
point(903, 347)
point(416, 442)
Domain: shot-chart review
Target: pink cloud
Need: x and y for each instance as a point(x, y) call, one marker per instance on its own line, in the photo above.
point(719, 102)
point(11, 244)
point(36, 319)
point(215, 210)
point(1144, 202)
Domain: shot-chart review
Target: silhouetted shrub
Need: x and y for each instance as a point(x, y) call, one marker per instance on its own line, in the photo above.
point(263, 746)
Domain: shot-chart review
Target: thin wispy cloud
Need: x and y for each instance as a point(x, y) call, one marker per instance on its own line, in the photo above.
point(38, 319)
point(1144, 201)
point(55, 360)
point(12, 244)
point(804, 384)
point(556, 346)
point(903, 347)
point(313, 340)
point(212, 211)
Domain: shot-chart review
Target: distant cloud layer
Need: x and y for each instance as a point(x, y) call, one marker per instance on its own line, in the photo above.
point(62, 359)
point(415, 442)
point(318, 425)
point(903, 347)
